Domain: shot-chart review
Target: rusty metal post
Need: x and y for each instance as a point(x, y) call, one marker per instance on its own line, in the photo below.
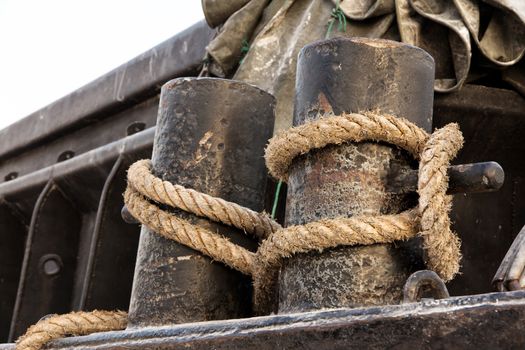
point(210, 136)
point(352, 75)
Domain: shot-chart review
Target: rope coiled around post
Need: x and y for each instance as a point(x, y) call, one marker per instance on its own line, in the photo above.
point(197, 203)
point(430, 219)
point(434, 152)
point(74, 323)
point(145, 193)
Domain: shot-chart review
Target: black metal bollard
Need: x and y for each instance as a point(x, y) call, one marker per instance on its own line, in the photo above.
point(352, 75)
point(210, 136)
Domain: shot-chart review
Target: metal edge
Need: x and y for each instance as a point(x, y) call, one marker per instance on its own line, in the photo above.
point(126, 85)
point(338, 318)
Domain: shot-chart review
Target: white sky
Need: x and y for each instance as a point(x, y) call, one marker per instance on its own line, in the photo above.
point(52, 47)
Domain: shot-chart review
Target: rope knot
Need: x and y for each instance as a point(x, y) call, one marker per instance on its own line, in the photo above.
point(434, 152)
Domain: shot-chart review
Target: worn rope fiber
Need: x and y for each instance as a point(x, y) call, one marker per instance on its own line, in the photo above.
point(74, 323)
point(320, 235)
point(200, 204)
point(327, 233)
point(430, 219)
point(435, 152)
point(368, 126)
point(196, 237)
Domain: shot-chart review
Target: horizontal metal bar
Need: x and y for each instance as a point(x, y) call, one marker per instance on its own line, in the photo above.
point(471, 322)
point(138, 117)
point(463, 178)
point(102, 156)
point(126, 85)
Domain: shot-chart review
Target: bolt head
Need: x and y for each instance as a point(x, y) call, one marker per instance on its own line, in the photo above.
point(51, 264)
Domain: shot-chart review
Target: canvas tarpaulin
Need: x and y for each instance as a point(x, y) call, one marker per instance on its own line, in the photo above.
point(450, 30)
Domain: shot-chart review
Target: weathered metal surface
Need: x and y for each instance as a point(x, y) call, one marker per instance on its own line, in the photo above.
point(421, 283)
point(211, 135)
point(88, 120)
point(109, 272)
point(77, 148)
point(101, 111)
point(23, 191)
point(493, 124)
point(511, 272)
point(344, 75)
point(81, 180)
point(50, 239)
point(463, 178)
point(489, 321)
point(80, 141)
point(12, 238)
point(491, 119)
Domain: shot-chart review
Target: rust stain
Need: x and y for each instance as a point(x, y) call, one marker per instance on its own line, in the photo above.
point(324, 104)
point(348, 176)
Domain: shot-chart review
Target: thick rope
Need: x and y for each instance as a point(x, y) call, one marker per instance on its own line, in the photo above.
point(435, 151)
point(369, 126)
point(331, 233)
point(75, 323)
point(430, 219)
point(200, 204)
point(196, 237)
point(441, 244)
point(320, 235)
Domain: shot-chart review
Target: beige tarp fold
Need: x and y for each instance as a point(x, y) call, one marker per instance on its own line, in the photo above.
point(447, 29)
point(217, 12)
point(363, 9)
point(503, 41)
point(270, 64)
point(225, 49)
point(419, 23)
